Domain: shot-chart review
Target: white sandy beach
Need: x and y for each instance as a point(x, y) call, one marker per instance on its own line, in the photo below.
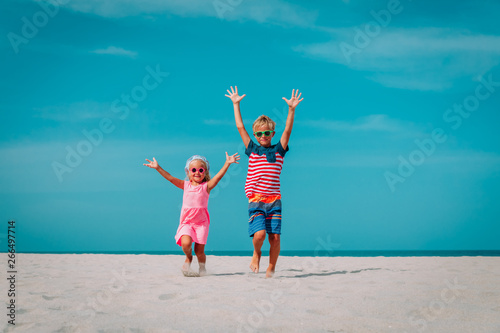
point(148, 293)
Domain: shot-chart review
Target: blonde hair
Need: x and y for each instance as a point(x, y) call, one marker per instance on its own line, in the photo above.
point(203, 161)
point(207, 172)
point(263, 120)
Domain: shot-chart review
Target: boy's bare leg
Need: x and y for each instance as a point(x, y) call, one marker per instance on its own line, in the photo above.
point(258, 240)
point(274, 252)
point(186, 242)
point(199, 250)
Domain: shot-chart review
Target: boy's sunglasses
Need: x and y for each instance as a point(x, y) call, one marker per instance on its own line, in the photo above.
point(266, 133)
point(193, 170)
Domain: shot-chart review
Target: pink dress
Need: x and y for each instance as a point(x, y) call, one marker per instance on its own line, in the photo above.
point(194, 215)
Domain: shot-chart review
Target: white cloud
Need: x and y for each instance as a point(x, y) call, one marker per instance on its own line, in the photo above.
point(376, 122)
point(467, 160)
point(470, 162)
point(28, 167)
point(271, 11)
point(218, 122)
point(74, 112)
point(113, 50)
point(420, 59)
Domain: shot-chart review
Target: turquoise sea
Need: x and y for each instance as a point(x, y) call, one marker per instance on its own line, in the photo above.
point(288, 253)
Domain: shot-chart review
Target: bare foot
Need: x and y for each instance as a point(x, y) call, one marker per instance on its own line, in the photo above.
point(187, 265)
point(186, 269)
point(254, 264)
point(203, 270)
point(269, 273)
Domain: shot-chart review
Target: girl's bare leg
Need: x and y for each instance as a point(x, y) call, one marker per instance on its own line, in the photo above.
point(186, 242)
point(199, 250)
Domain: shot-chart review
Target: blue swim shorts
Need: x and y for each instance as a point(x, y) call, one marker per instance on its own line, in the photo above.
point(265, 214)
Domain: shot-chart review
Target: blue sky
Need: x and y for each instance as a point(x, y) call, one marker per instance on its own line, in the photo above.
point(395, 146)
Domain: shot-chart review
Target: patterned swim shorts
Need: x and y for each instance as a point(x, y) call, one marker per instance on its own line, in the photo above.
point(265, 214)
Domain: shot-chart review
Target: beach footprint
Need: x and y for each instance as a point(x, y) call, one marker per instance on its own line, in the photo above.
point(49, 298)
point(166, 297)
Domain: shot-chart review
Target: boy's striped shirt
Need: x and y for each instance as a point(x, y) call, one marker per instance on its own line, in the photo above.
point(264, 169)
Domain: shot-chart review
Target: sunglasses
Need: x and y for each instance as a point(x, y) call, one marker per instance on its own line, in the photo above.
point(201, 170)
point(266, 133)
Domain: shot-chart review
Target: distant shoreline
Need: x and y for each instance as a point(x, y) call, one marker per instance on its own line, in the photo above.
point(289, 253)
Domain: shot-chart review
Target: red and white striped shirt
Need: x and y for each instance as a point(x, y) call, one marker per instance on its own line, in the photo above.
point(264, 169)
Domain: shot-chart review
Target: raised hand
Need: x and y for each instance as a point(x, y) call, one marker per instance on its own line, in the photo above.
point(152, 164)
point(233, 95)
point(294, 101)
point(233, 158)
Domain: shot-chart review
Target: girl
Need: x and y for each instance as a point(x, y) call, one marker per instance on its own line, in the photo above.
point(195, 220)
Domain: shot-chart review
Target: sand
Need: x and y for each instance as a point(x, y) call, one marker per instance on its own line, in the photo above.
point(148, 293)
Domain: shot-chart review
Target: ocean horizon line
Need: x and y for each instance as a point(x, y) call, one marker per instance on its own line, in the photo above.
point(304, 253)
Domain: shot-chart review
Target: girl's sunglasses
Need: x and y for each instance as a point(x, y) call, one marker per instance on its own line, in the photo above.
point(201, 170)
point(266, 133)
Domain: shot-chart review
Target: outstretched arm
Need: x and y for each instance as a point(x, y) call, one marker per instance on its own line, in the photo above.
point(292, 103)
point(235, 98)
point(215, 180)
point(176, 181)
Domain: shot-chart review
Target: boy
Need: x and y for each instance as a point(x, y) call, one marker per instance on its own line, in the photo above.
point(262, 185)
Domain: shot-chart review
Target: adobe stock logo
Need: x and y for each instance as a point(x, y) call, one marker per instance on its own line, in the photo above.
point(371, 30)
point(30, 28)
point(221, 7)
point(454, 116)
point(121, 106)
